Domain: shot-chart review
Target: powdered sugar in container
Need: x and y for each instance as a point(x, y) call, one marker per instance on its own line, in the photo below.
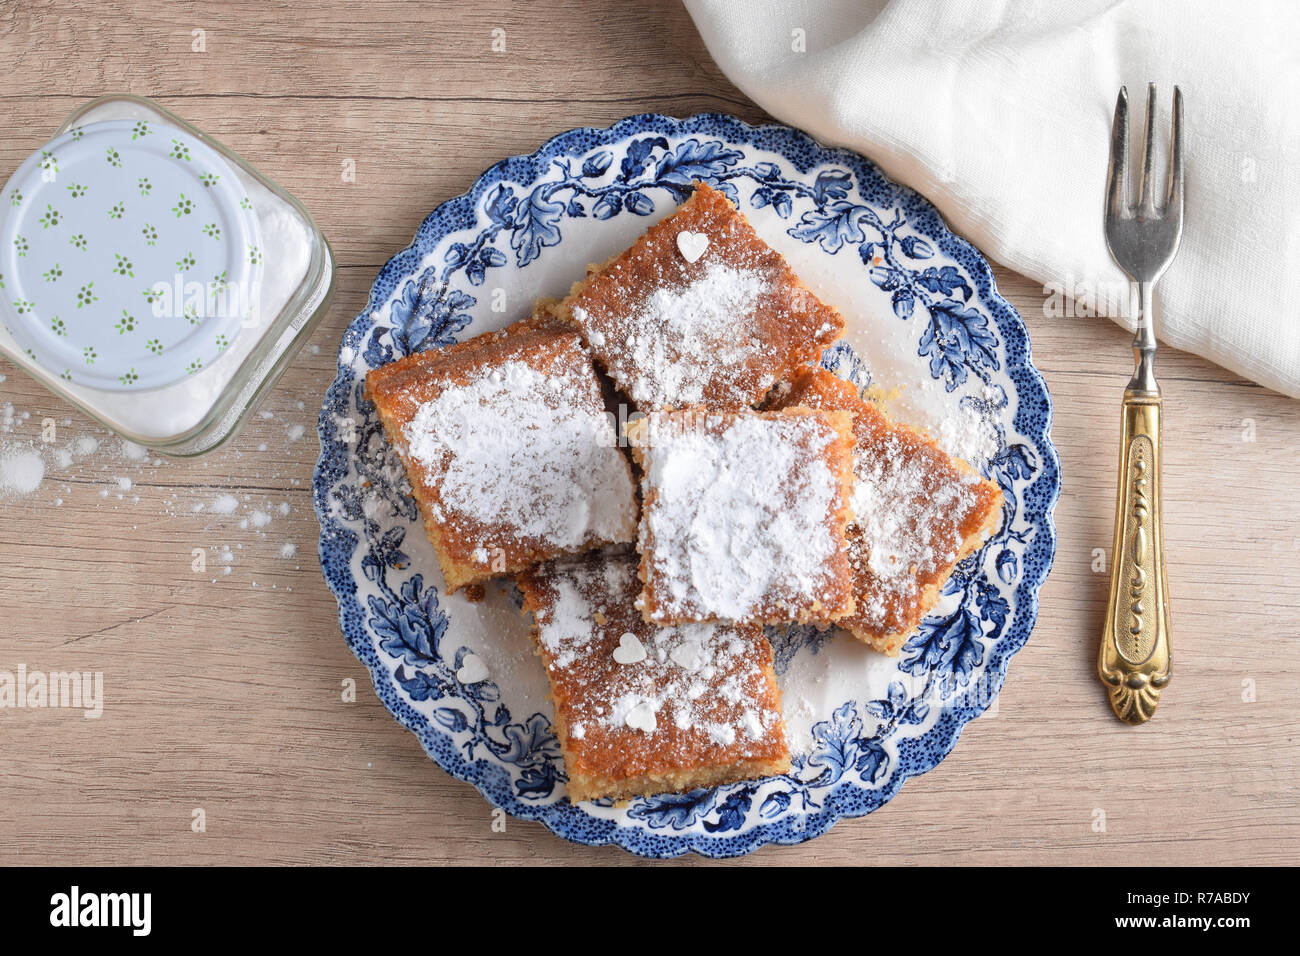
point(153, 278)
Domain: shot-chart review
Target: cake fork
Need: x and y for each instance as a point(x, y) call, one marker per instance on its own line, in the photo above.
point(1135, 657)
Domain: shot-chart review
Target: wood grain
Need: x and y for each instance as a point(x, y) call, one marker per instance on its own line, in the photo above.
point(224, 691)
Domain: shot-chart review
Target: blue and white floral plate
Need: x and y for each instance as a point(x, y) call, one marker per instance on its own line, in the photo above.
point(926, 324)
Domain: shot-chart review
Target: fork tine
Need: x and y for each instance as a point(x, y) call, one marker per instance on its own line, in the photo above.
point(1146, 201)
point(1117, 173)
point(1174, 194)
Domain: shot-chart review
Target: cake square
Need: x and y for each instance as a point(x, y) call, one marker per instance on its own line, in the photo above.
point(699, 311)
point(641, 709)
point(743, 515)
point(509, 449)
point(917, 512)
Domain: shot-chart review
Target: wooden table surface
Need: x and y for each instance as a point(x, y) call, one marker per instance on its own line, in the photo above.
point(223, 692)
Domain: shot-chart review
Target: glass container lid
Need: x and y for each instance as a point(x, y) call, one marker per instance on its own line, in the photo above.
point(130, 255)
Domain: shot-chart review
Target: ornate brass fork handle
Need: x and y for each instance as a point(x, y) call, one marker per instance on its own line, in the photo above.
point(1134, 660)
point(1135, 649)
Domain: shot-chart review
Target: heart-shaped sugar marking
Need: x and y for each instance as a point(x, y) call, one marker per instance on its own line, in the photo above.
point(630, 650)
point(642, 717)
point(472, 670)
point(692, 245)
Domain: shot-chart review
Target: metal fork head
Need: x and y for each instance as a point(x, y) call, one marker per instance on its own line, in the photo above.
point(1143, 237)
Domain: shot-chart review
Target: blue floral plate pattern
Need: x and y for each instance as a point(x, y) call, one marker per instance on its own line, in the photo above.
point(923, 313)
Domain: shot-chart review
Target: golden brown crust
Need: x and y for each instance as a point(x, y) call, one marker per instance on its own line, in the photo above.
point(834, 601)
point(415, 378)
point(470, 552)
point(608, 758)
point(887, 615)
point(787, 325)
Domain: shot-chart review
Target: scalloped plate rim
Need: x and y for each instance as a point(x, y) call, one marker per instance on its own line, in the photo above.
point(653, 844)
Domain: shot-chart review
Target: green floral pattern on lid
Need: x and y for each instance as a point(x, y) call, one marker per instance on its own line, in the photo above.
point(128, 253)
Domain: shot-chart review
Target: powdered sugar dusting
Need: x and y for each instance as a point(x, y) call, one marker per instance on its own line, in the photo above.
point(695, 687)
point(526, 451)
point(717, 326)
point(902, 528)
point(682, 340)
point(967, 431)
point(570, 624)
point(21, 470)
point(738, 519)
point(899, 514)
point(913, 508)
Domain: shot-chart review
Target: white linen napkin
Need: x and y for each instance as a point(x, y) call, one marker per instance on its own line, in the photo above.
point(1000, 112)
